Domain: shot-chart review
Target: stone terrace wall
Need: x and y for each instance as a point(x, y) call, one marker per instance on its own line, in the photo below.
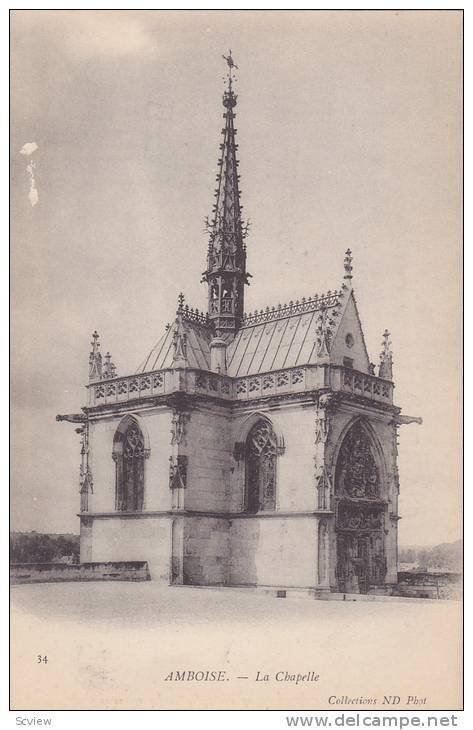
point(59, 572)
point(429, 585)
point(122, 539)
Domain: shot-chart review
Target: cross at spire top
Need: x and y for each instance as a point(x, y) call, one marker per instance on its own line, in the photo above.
point(231, 65)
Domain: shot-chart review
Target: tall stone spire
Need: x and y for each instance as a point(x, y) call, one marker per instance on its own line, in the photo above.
point(226, 259)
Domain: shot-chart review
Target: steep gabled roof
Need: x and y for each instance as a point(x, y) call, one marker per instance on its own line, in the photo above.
point(322, 329)
point(198, 337)
point(267, 340)
point(280, 337)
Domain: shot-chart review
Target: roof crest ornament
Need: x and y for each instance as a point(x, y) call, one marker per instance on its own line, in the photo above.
point(312, 304)
point(189, 313)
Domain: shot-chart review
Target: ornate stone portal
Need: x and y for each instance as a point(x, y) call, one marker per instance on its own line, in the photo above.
point(360, 514)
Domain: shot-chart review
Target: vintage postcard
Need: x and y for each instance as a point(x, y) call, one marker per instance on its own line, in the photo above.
point(236, 360)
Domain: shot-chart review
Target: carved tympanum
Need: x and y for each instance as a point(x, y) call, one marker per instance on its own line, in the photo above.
point(357, 474)
point(358, 518)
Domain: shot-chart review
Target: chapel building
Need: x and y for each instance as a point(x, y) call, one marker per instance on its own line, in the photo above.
point(249, 449)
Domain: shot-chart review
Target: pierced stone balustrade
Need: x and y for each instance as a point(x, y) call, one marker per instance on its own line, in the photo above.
point(362, 384)
point(280, 382)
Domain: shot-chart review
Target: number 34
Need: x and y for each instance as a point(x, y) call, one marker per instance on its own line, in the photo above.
point(42, 659)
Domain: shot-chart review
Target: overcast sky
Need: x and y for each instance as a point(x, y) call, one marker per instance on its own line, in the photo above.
point(349, 132)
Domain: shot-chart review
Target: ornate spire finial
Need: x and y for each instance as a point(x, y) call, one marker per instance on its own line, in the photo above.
point(226, 256)
point(348, 265)
point(99, 370)
point(230, 75)
point(108, 370)
point(95, 358)
point(386, 358)
point(180, 301)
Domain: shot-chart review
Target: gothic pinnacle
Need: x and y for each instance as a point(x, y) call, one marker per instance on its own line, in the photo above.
point(95, 358)
point(386, 358)
point(348, 265)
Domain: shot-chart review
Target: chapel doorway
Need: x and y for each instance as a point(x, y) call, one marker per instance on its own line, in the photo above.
point(355, 563)
point(360, 511)
point(362, 564)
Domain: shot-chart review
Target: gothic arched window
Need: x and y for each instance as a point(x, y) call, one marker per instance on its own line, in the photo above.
point(260, 460)
point(129, 455)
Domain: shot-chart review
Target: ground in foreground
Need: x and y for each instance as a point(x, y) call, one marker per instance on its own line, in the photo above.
point(112, 646)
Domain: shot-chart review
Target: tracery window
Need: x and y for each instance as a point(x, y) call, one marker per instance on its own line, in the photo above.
point(261, 458)
point(129, 455)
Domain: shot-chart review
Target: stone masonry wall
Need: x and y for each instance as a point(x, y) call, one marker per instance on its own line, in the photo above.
point(208, 449)
point(274, 551)
point(130, 538)
point(156, 424)
point(295, 481)
point(206, 551)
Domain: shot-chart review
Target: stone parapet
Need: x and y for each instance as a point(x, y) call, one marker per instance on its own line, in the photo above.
point(283, 382)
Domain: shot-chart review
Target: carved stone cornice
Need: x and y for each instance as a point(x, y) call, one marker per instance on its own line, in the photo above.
point(368, 402)
point(304, 398)
point(326, 513)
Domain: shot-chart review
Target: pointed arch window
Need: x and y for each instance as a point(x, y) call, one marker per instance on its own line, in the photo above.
point(129, 455)
point(261, 451)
